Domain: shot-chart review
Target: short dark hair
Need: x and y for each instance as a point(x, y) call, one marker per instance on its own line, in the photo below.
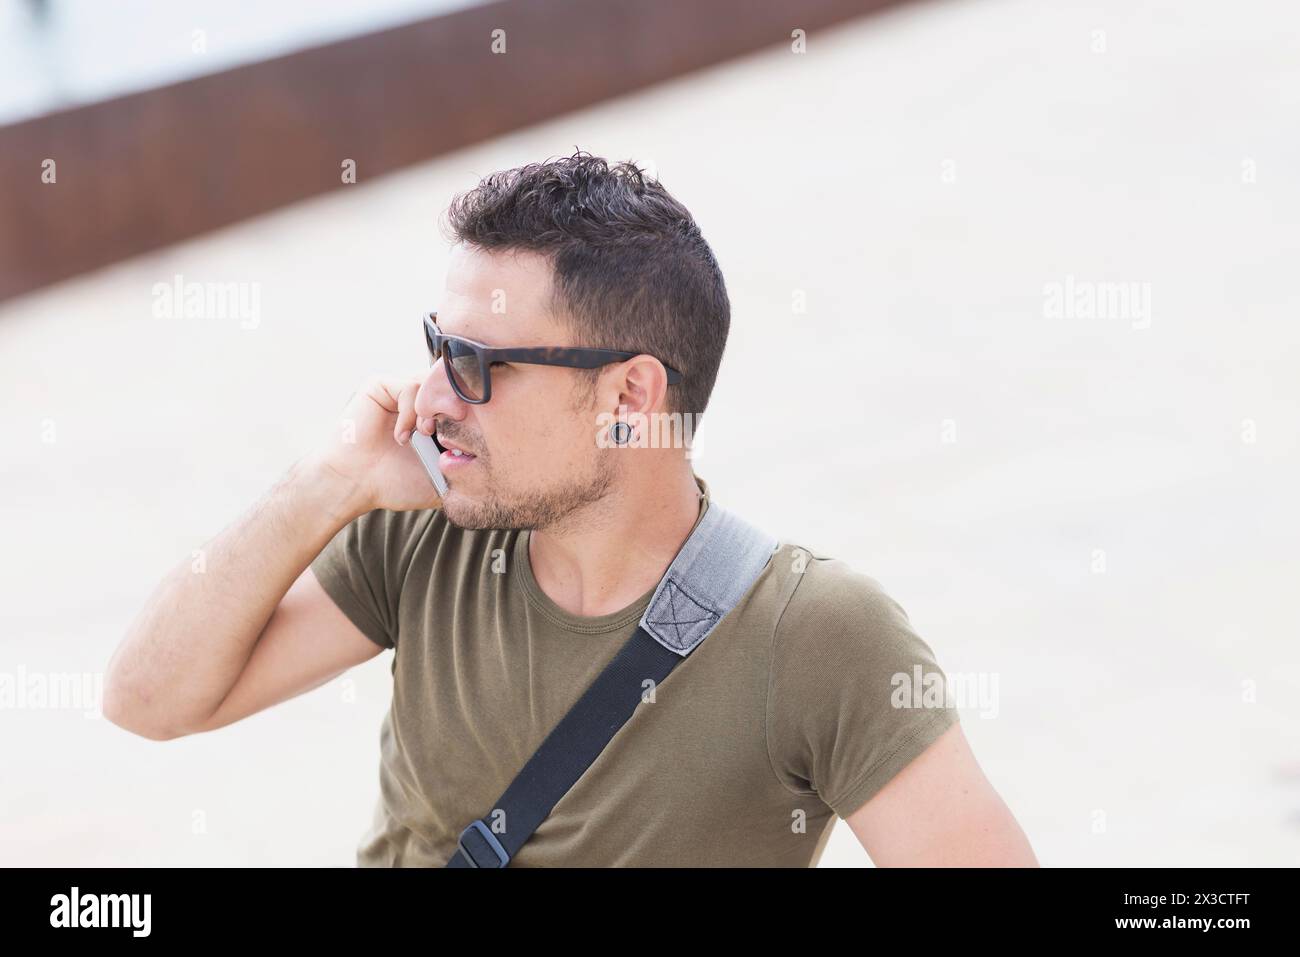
point(631, 269)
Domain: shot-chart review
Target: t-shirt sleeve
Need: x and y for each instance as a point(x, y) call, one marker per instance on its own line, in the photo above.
point(845, 712)
point(363, 566)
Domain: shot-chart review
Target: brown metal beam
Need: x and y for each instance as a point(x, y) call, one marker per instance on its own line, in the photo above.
point(145, 170)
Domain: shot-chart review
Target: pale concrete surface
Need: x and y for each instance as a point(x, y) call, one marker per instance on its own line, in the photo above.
point(919, 178)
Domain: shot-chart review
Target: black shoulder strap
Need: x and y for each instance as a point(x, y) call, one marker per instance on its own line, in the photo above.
point(716, 566)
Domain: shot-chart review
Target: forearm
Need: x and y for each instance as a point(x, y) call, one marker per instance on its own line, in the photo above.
point(188, 645)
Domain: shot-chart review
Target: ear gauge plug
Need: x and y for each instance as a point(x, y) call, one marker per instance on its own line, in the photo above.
point(621, 431)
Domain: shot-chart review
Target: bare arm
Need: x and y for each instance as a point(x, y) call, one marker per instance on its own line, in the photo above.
point(248, 625)
point(307, 642)
point(177, 669)
point(941, 811)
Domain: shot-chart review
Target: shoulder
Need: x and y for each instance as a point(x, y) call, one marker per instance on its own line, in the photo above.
point(842, 639)
point(836, 721)
point(363, 566)
point(379, 545)
point(828, 595)
point(398, 533)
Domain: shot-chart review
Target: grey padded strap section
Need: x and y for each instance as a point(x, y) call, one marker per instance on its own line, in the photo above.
point(719, 563)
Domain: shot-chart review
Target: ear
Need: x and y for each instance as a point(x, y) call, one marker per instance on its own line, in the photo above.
point(641, 384)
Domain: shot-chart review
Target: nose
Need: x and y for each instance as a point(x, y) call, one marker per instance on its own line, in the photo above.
point(435, 397)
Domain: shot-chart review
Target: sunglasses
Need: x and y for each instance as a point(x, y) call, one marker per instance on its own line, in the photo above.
point(469, 363)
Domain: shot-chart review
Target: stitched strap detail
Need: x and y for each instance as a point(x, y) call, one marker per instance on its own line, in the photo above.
point(685, 618)
point(711, 573)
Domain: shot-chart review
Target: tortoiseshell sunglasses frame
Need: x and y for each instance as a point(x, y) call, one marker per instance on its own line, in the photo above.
point(574, 358)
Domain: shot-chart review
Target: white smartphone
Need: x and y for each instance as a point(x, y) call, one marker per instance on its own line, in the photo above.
point(428, 453)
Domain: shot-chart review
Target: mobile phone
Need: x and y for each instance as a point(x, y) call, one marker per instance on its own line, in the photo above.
point(428, 452)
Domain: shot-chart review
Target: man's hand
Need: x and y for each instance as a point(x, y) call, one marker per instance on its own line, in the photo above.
point(371, 452)
point(941, 811)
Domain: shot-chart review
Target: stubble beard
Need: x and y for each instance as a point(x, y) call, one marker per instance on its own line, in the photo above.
point(532, 509)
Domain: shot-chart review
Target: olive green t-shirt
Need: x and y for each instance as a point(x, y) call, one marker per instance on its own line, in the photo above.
point(784, 717)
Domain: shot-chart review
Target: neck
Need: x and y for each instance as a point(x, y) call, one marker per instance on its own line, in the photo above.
point(608, 559)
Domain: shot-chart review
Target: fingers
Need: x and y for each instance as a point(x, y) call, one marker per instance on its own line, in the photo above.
point(405, 412)
point(380, 392)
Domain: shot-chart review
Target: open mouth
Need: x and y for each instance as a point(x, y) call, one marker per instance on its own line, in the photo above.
point(451, 457)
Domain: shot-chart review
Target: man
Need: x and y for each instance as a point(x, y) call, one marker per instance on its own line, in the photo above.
point(507, 596)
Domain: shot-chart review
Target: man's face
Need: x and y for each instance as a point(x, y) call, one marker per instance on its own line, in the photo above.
point(534, 442)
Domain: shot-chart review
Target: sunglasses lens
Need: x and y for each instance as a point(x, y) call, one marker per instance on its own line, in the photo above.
point(465, 368)
point(463, 365)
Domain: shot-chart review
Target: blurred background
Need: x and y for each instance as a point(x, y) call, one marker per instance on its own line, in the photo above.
point(1041, 259)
